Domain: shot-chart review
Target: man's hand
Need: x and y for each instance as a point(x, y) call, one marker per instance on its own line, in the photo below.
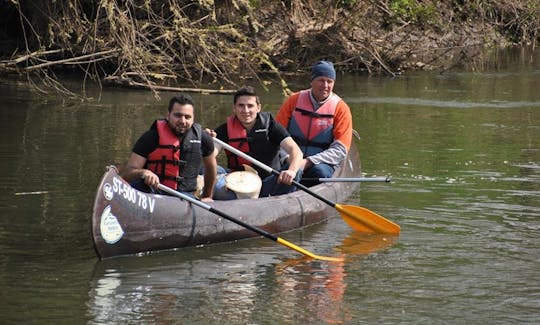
point(212, 133)
point(150, 178)
point(286, 177)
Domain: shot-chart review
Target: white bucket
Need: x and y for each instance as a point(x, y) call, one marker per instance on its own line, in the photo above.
point(246, 185)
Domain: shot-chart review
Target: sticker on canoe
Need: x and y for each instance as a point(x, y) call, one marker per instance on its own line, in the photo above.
point(110, 228)
point(108, 191)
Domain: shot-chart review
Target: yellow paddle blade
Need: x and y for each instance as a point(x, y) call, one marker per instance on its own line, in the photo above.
point(307, 253)
point(364, 220)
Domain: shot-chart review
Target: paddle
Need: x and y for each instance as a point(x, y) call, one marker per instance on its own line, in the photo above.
point(245, 225)
point(358, 218)
point(351, 179)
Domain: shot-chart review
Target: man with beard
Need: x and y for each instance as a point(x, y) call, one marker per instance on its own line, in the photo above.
point(172, 152)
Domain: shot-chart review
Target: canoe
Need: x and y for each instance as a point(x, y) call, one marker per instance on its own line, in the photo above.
point(126, 221)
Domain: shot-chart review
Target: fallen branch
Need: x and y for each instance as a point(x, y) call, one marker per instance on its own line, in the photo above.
point(10, 64)
point(32, 55)
point(134, 84)
point(74, 60)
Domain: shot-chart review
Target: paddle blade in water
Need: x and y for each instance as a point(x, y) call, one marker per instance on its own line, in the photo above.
point(364, 220)
point(307, 253)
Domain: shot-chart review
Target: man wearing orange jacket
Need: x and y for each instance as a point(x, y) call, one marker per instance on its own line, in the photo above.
point(320, 122)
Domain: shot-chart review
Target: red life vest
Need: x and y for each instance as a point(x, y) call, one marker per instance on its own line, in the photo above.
point(176, 164)
point(313, 129)
point(238, 139)
point(256, 143)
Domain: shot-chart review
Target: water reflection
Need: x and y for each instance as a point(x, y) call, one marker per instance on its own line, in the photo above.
point(362, 244)
point(316, 288)
point(230, 288)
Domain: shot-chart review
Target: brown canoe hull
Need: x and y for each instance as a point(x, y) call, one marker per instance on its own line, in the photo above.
point(126, 221)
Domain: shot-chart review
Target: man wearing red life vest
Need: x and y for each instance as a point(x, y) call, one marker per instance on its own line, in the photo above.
point(320, 122)
point(257, 134)
point(172, 152)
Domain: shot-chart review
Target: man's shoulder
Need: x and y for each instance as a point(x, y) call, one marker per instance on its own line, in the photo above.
point(205, 136)
point(151, 133)
point(294, 96)
point(343, 107)
point(278, 130)
point(147, 142)
point(265, 115)
point(207, 144)
point(221, 131)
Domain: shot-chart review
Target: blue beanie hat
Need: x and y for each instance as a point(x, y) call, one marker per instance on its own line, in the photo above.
point(323, 69)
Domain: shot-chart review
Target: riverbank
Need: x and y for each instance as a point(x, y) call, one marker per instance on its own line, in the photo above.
point(212, 46)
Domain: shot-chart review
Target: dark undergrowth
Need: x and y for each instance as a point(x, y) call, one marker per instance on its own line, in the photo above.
point(213, 45)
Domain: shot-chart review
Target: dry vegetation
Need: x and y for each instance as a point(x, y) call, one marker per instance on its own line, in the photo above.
point(212, 45)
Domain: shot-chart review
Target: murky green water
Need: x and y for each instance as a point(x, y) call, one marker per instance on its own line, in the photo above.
point(463, 151)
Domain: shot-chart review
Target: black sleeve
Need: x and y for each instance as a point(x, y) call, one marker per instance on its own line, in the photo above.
point(207, 144)
point(277, 132)
point(221, 133)
point(146, 143)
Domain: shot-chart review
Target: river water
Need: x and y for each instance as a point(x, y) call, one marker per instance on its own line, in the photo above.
point(463, 151)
